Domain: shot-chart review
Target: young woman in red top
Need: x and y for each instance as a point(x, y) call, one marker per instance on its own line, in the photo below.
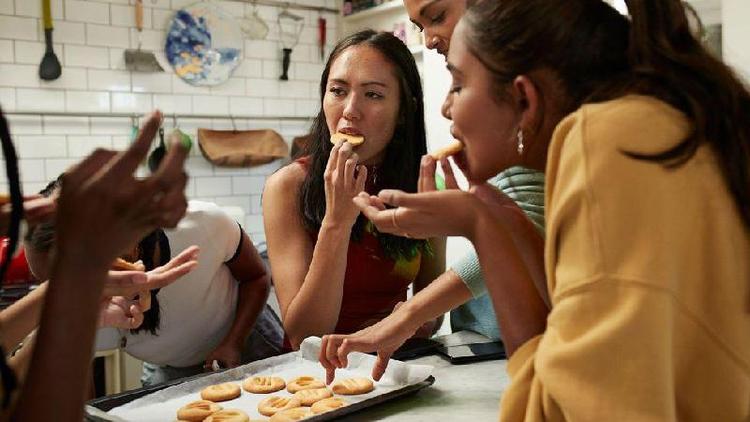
point(332, 270)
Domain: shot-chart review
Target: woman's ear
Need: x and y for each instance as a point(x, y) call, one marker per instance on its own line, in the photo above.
point(528, 102)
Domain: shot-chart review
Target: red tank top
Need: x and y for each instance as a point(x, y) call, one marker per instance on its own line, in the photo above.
point(373, 282)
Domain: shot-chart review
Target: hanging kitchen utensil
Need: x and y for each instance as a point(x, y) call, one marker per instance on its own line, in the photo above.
point(139, 60)
point(204, 44)
point(49, 68)
point(322, 37)
point(253, 26)
point(154, 159)
point(290, 28)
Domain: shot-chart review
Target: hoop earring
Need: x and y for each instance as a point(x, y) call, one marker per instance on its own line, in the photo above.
point(519, 135)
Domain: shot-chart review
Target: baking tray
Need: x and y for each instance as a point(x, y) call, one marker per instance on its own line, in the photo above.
point(405, 379)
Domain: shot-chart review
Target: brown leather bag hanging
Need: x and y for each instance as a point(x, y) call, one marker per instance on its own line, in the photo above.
point(241, 148)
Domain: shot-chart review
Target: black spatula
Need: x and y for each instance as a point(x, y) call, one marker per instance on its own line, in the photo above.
point(158, 153)
point(49, 68)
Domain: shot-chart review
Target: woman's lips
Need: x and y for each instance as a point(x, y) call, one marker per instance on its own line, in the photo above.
point(350, 131)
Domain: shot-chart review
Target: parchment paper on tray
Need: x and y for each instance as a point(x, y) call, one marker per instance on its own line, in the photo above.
point(162, 405)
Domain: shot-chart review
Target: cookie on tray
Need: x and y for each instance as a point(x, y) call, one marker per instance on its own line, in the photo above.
point(221, 392)
point(308, 397)
point(303, 383)
point(271, 405)
point(290, 415)
point(197, 411)
point(326, 405)
point(228, 415)
point(260, 384)
point(353, 386)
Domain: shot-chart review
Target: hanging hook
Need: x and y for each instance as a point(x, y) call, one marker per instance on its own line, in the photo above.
point(234, 125)
point(133, 127)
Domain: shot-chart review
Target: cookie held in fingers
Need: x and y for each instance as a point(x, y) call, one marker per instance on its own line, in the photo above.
point(308, 397)
point(326, 405)
point(353, 386)
point(448, 150)
point(263, 385)
point(228, 415)
point(304, 383)
point(274, 404)
point(120, 264)
point(197, 410)
point(221, 392)
point(294, 414)
point(352, 139)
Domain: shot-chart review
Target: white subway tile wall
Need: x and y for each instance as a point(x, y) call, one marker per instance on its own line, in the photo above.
point(90, 39)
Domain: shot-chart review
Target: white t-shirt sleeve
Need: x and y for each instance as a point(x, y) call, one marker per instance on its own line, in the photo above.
point(107, 338)
point(223, 231)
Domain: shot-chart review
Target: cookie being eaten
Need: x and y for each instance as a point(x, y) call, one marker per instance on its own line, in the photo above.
point(448, 150)
point(343, 137)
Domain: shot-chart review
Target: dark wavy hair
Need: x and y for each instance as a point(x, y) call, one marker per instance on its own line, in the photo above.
point(400, 167)
point(599, 55)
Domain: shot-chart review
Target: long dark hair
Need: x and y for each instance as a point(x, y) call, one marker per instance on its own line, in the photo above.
point(599, 55)
point(9, 381)
point(16, 194)
point(400, 168)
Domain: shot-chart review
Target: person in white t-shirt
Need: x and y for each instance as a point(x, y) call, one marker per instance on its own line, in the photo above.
point(214, 316)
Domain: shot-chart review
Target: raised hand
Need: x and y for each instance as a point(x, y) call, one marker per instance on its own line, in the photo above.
point(103, 208)
point(421, 215)
point(130, 283)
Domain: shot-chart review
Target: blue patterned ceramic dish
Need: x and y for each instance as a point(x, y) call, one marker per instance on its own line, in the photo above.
point(204, 44)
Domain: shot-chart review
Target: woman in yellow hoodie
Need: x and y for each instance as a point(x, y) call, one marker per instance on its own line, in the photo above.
point(646, 146)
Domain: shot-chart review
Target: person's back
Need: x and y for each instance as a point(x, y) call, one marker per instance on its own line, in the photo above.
point(196, 316)
point(648, 276)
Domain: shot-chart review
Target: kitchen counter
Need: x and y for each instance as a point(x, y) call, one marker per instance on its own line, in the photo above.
point(468, 392)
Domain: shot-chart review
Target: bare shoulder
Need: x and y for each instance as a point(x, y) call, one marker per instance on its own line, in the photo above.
point(286, 180)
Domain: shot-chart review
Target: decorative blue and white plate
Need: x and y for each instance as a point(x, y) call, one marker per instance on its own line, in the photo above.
point(204, 44)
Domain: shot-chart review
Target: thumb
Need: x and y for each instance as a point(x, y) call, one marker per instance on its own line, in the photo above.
point(381, 363)
point(399, 198)
point(123, 283)
point(361, 178)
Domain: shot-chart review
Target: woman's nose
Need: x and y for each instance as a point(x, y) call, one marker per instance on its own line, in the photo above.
point(433, 41)
point(351, 109)
point(446, 108)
